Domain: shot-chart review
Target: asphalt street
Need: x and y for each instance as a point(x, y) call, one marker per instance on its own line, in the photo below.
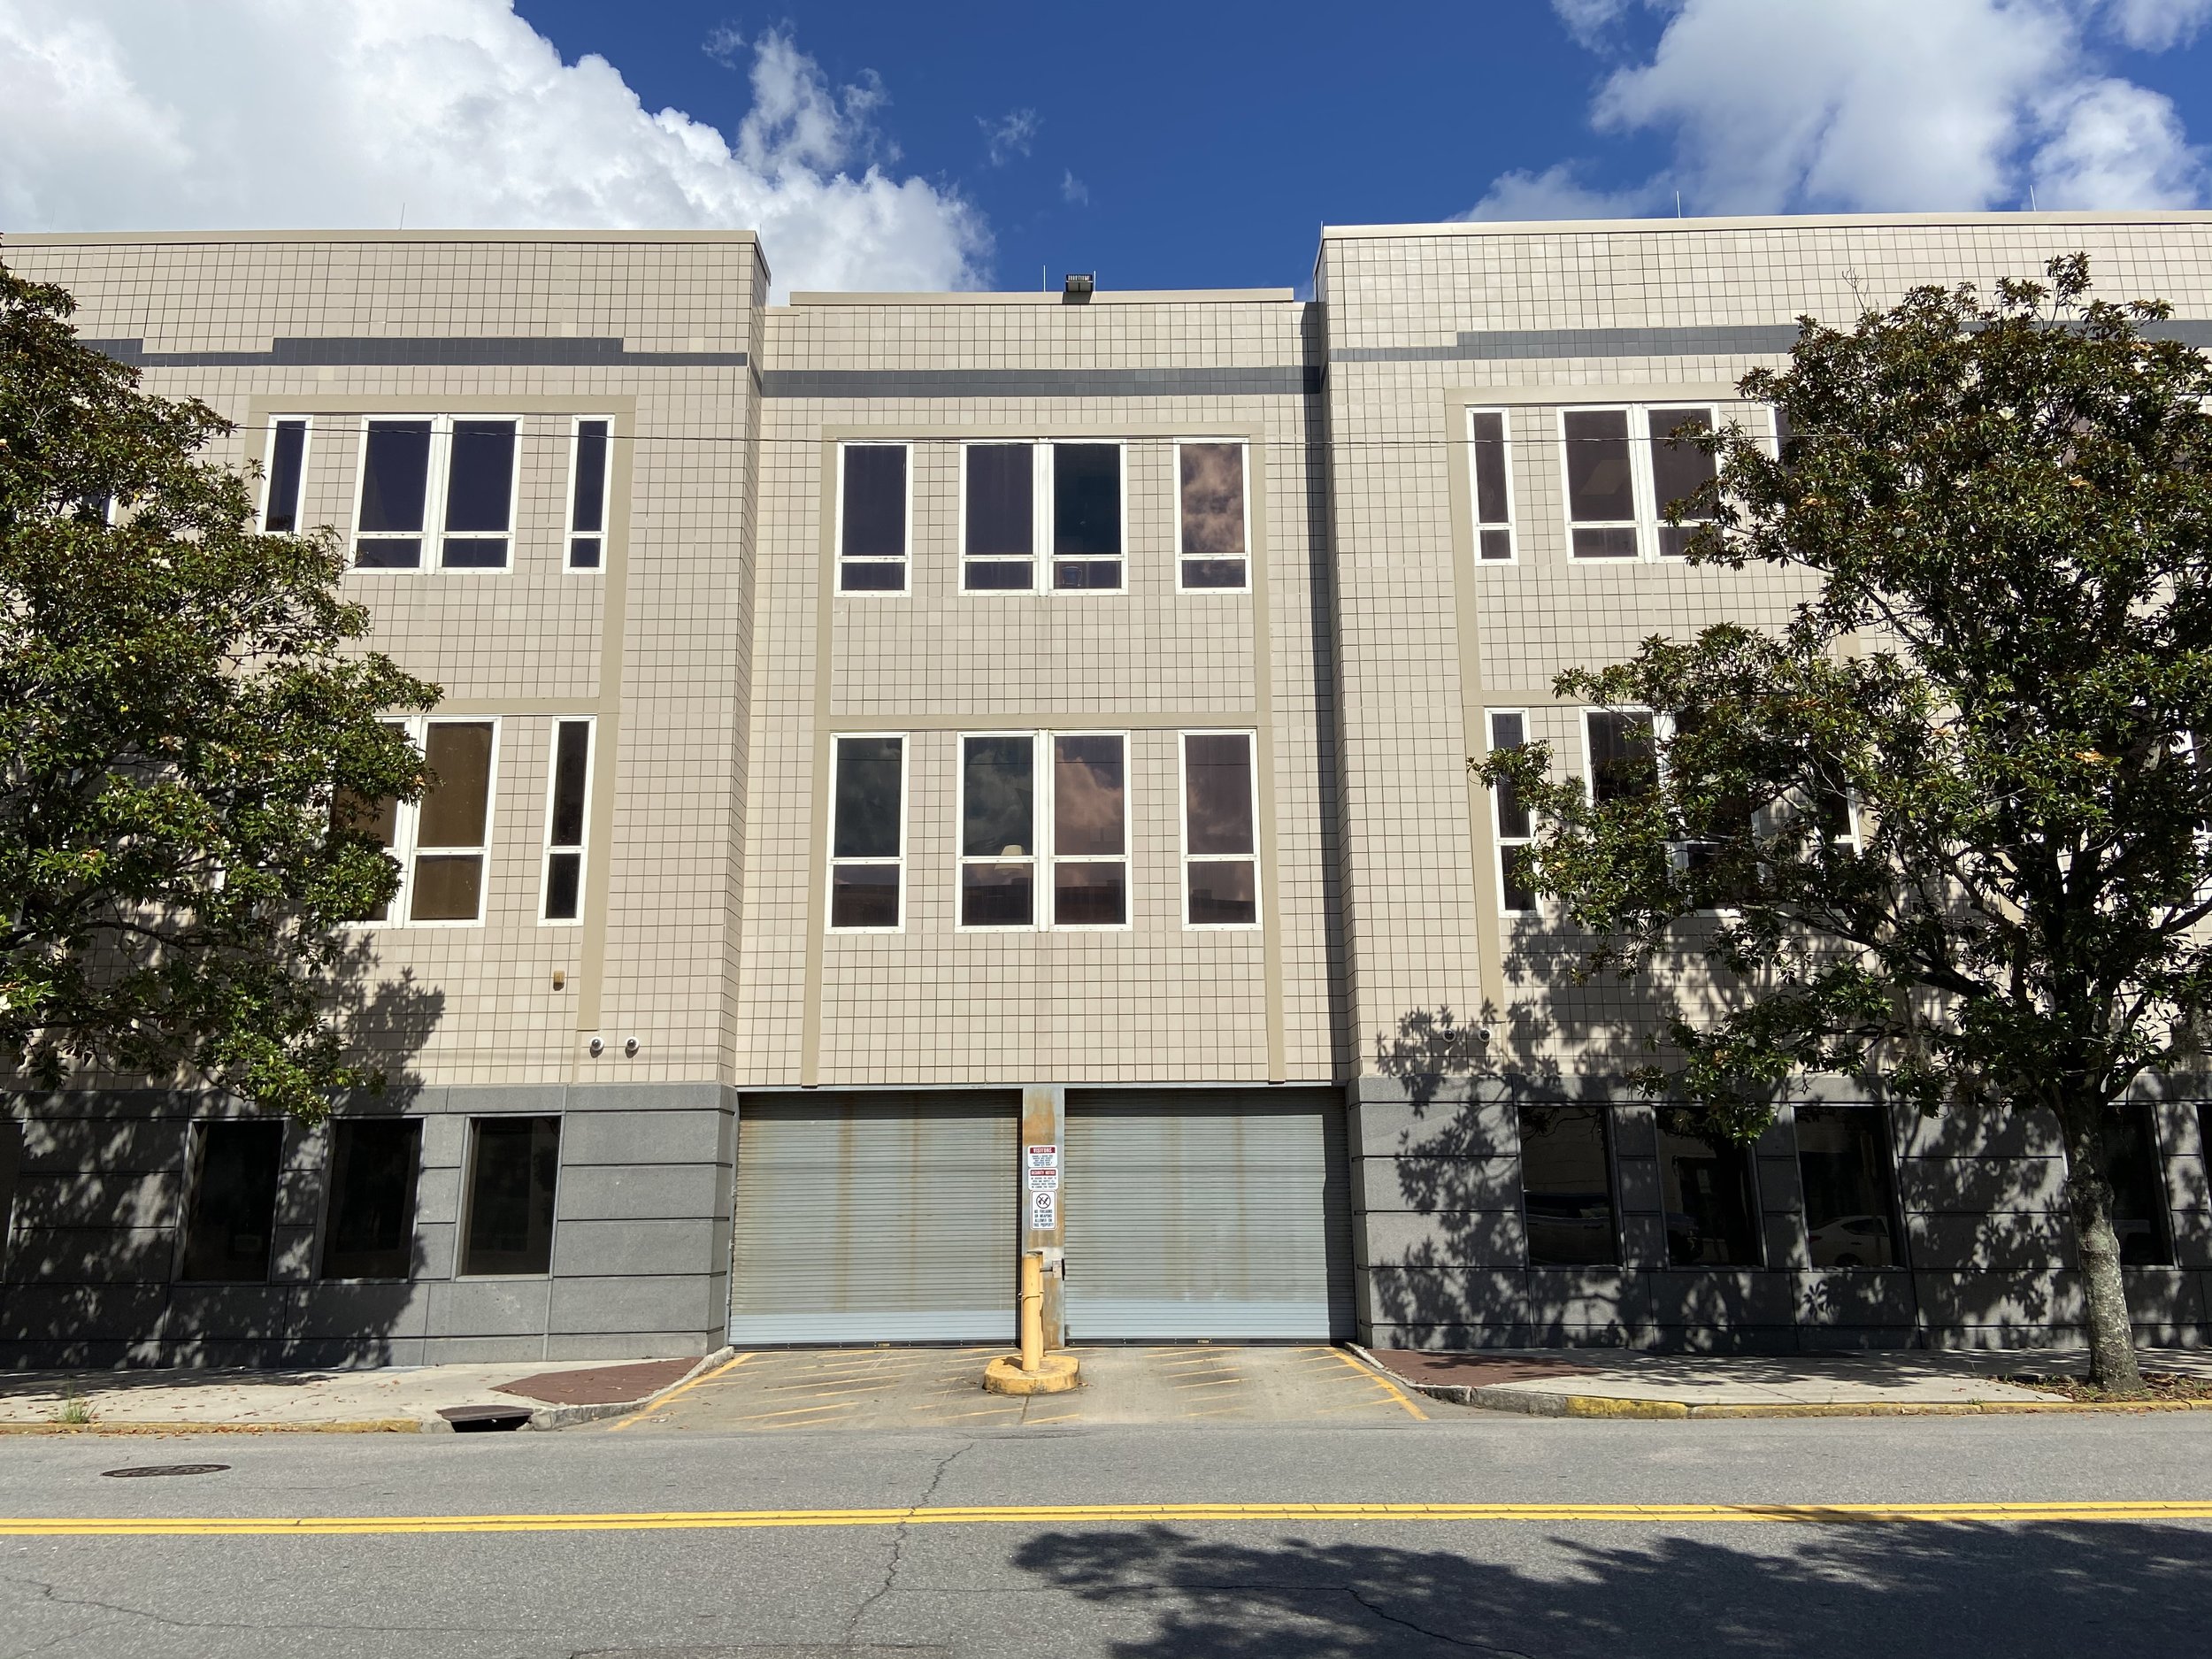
point(689, 1565)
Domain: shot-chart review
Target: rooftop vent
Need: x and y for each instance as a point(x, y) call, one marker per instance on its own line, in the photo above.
point(1076, 286)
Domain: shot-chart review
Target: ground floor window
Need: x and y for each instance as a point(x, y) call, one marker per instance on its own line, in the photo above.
point(230, 1214)
point(1850, 1198)
point(369, 1229)
point(1711, 1194)
point(1567, 1186)
point(2140, 1214)
point(513, 1165)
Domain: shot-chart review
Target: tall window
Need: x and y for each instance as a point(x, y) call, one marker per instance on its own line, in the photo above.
point(1850, 1194)
point(1090, 830)
point(1221, 879)
point(230, 1218)
point(369, 1221)
point(1710, 1189)
point(568, 799)
point(1492, 480)
point(1730, 816)
point(1624, 467)
point(1066, 497)
point(867, 841)
point(1567, 1186)
point(514, 1169)
point(442, 842)
point(998, 830)
point(285, 489)
point(2141, 1213)
point(588, 464)
point(1623, 762)
point(436, 491)
point(873, 518)
point(1509, 729)
point(1213, 515)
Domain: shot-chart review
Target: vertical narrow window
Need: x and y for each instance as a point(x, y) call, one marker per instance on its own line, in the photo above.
point(369, 1225)
point(394, 495)
point(999, 513)
point(1493, 490)
point(587, 495)
point(380, 820)
point(479, 495)
point(1567, 1186)
point(1679, 469)
point(453, 823)
point(872, 517)
point(866, 841)
point(2141, 1212)
point(1090, 832)
point(513, 1168)
point(1221, 879)
point(280, 511)
point(998, 830)
point(1850, 1196)
point(568, 799)
point(1087, 550)
point(1214, 548)
point(1509, 729)
point(1711, 1195)
point(231, 1217)
point(1601, 483)
point(1623, 762)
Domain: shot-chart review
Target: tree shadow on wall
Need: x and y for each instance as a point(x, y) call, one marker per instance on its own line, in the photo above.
point(1847, 1591)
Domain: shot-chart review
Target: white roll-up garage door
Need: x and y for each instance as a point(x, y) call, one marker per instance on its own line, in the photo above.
point(1206, 1214)
point(875, 1219)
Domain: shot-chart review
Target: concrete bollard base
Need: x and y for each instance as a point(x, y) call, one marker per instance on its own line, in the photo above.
point(1005, 1376)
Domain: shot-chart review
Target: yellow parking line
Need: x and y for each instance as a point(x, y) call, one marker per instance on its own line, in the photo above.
point(1388, 1387)
point(679, 1390)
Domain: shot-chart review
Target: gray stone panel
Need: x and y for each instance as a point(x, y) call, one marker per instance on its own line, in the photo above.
point(677, 1302)
point(1435, 1183)
point(1856, 1297)
point(609, 1249)
point(1982, 1185)
point(90, 1254)
point(2021, 1242)
point(488, 1307)
point(340, 1312)
point(640, 1137)
point(68, 1200)
point(1458, 1237)
point(646, 1192)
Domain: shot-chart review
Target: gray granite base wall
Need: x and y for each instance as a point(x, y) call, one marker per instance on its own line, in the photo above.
point(641, 1238)
point(1441, 1260)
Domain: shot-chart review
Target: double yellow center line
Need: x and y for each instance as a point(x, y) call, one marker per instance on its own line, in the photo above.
point(1076, 1514)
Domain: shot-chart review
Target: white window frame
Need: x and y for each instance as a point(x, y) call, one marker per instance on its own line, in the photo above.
point(1041, 505)
point(1511, 526)
point(1040, 810)
point(1184, 857)
point(1500, 841)
point(1244, 480)
point(582, 849)
point(569, 532)
point(433, 532)
point(1643, 490)
point(268, 474)
point(1589, 750)
point(899, 863)
point(1053, 859)
point(405, 823)
point(905, 560)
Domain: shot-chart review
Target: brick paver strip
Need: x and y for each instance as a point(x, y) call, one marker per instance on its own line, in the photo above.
point(602, 1385)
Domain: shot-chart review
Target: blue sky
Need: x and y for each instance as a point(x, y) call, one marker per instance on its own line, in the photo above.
point(887, 146)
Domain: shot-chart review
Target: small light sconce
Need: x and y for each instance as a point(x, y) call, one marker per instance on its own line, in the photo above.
point(1075, 288)
point(560, 979)
point(598, 1045)
point(629, 1046)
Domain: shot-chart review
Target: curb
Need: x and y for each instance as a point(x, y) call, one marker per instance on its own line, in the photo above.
point(565, 1416)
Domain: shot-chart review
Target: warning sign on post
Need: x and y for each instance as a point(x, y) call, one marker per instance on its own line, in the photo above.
point(1044, 1209)
point(1044, 1169)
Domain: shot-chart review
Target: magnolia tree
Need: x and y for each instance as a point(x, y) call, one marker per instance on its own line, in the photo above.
point(1944, 834)
point(181, 713)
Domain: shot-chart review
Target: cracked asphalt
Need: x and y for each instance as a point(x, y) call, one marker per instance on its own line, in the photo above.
point(1217, 1589)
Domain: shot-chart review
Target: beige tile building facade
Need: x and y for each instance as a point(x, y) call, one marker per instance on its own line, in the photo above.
point(926, 776)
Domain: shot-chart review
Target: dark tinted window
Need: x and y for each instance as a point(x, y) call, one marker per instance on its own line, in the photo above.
point(513, 1165)
point(589, 513)
point(868, 797)
point(1600, 484)
point(564, 828)
point(233, 1211)
point(2140, 1207)
point(1623, 762)
point(1487, 435)
point(397, 471)
point(1086, 500)
point(1850, 1205)
point(369, 1232)
point(1679, 469)
point(288, 456)
point(1567, 1186)
point(874, 521)
point(1711, 1198)
point(1000, 501)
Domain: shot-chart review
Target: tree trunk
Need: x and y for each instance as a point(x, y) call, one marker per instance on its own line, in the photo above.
point(2089, 1197)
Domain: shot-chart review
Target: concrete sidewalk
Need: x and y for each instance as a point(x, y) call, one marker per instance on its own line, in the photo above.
point(423, 1398)
point(1618, 1383)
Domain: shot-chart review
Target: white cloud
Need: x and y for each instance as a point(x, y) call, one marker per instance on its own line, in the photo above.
point(1073, 190)
point(1882, 105)
point(148, 115)
point(1009, 136)
point(1558, 193)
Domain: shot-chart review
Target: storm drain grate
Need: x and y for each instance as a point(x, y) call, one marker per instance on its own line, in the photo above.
point(139, 1472)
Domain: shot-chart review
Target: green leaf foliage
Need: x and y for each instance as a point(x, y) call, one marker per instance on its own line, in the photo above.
point(180, 707)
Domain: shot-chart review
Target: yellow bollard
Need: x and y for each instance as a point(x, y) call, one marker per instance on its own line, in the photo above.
point(1032, 1311)
point(1033, 1370)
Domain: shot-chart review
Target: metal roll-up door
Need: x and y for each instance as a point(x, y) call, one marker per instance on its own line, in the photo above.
point(875, 1219)
point(1206, 1214)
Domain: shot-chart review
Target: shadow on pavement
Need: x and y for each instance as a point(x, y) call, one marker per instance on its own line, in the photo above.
point(1805, 1592)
